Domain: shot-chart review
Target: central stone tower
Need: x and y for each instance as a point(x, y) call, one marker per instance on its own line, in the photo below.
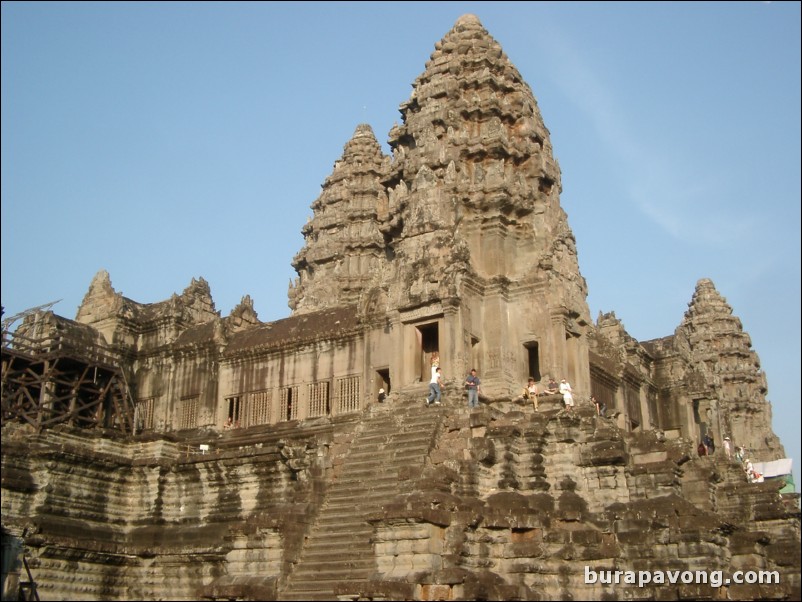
point(476, 260)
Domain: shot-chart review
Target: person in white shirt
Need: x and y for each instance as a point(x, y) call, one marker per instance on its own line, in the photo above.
point(434, 387)
point(568, 398)
point(728, 447)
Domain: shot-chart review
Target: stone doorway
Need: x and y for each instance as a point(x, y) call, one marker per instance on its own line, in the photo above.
point(382, 381)
point(532, 358)
point(429, 348)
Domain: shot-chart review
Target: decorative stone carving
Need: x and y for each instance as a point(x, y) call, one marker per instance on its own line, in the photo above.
point(720, 353)
point(343, 246)
point(261, 468)
point(243, 315)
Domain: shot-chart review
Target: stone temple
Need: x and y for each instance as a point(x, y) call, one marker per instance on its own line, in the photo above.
point(161, 451)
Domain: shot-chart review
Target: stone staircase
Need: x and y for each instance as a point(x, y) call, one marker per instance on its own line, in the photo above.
point(394, 435)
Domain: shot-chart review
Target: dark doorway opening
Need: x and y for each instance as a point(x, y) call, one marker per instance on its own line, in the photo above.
point(429, 337)
point(383, 380)
point(234, 412)
point(287, 410)
point(532, 360)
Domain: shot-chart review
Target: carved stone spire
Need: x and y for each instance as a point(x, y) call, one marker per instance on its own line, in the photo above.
point(726, 370)
point(243, 316)
point(101, 300)
point(343, 246)
point(473, 187)
point(197, 299)
point(463, 229)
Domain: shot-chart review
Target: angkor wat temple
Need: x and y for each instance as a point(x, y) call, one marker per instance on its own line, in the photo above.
point(161, 451)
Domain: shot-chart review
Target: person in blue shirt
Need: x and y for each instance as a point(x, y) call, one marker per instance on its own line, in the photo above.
point(472, 383)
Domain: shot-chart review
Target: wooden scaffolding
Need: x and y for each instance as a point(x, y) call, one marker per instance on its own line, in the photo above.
point(52, 380)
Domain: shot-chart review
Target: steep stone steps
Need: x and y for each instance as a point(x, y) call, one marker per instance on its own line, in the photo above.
point(395, 435)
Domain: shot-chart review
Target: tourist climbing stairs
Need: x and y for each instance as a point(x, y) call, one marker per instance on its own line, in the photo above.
point(395, 434)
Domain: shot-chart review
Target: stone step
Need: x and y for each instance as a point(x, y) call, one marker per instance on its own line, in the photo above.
point(418, 443)
point(336, 544)
point(396, 458)
point(359, 512)
point(393, 434)
point(309, 596)
point(378, 475)
point(343, 504)
point(325, 553)
point(334, 564)
point(345, 523)
point(400, 449)
point(338, 521)
point(341, 518)
point(413, 413)
point(345, 497)
point(326, 538)
point(325, 581)
point(338, 511)
point(325, 591)
point(333, 568)
point(330, 526)
point(393, 431)
point(385, 460)
point(366, 504)
point(320, 586)
point(399, 456)
point(346, 501)
point(320, 589)
point(394, 442)
point(393, 437)
point(379, 470)
point(406, 410)
point(335, 549)
point(378, 436)
point(349, 499)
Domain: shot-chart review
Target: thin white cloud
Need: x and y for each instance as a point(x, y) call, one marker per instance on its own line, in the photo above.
point(687, 206)
point(691, 210)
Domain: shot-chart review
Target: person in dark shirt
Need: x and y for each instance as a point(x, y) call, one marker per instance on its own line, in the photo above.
point(601, 407)
point(472, 383)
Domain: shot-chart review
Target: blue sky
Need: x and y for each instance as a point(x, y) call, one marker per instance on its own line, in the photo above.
point(165, 141)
